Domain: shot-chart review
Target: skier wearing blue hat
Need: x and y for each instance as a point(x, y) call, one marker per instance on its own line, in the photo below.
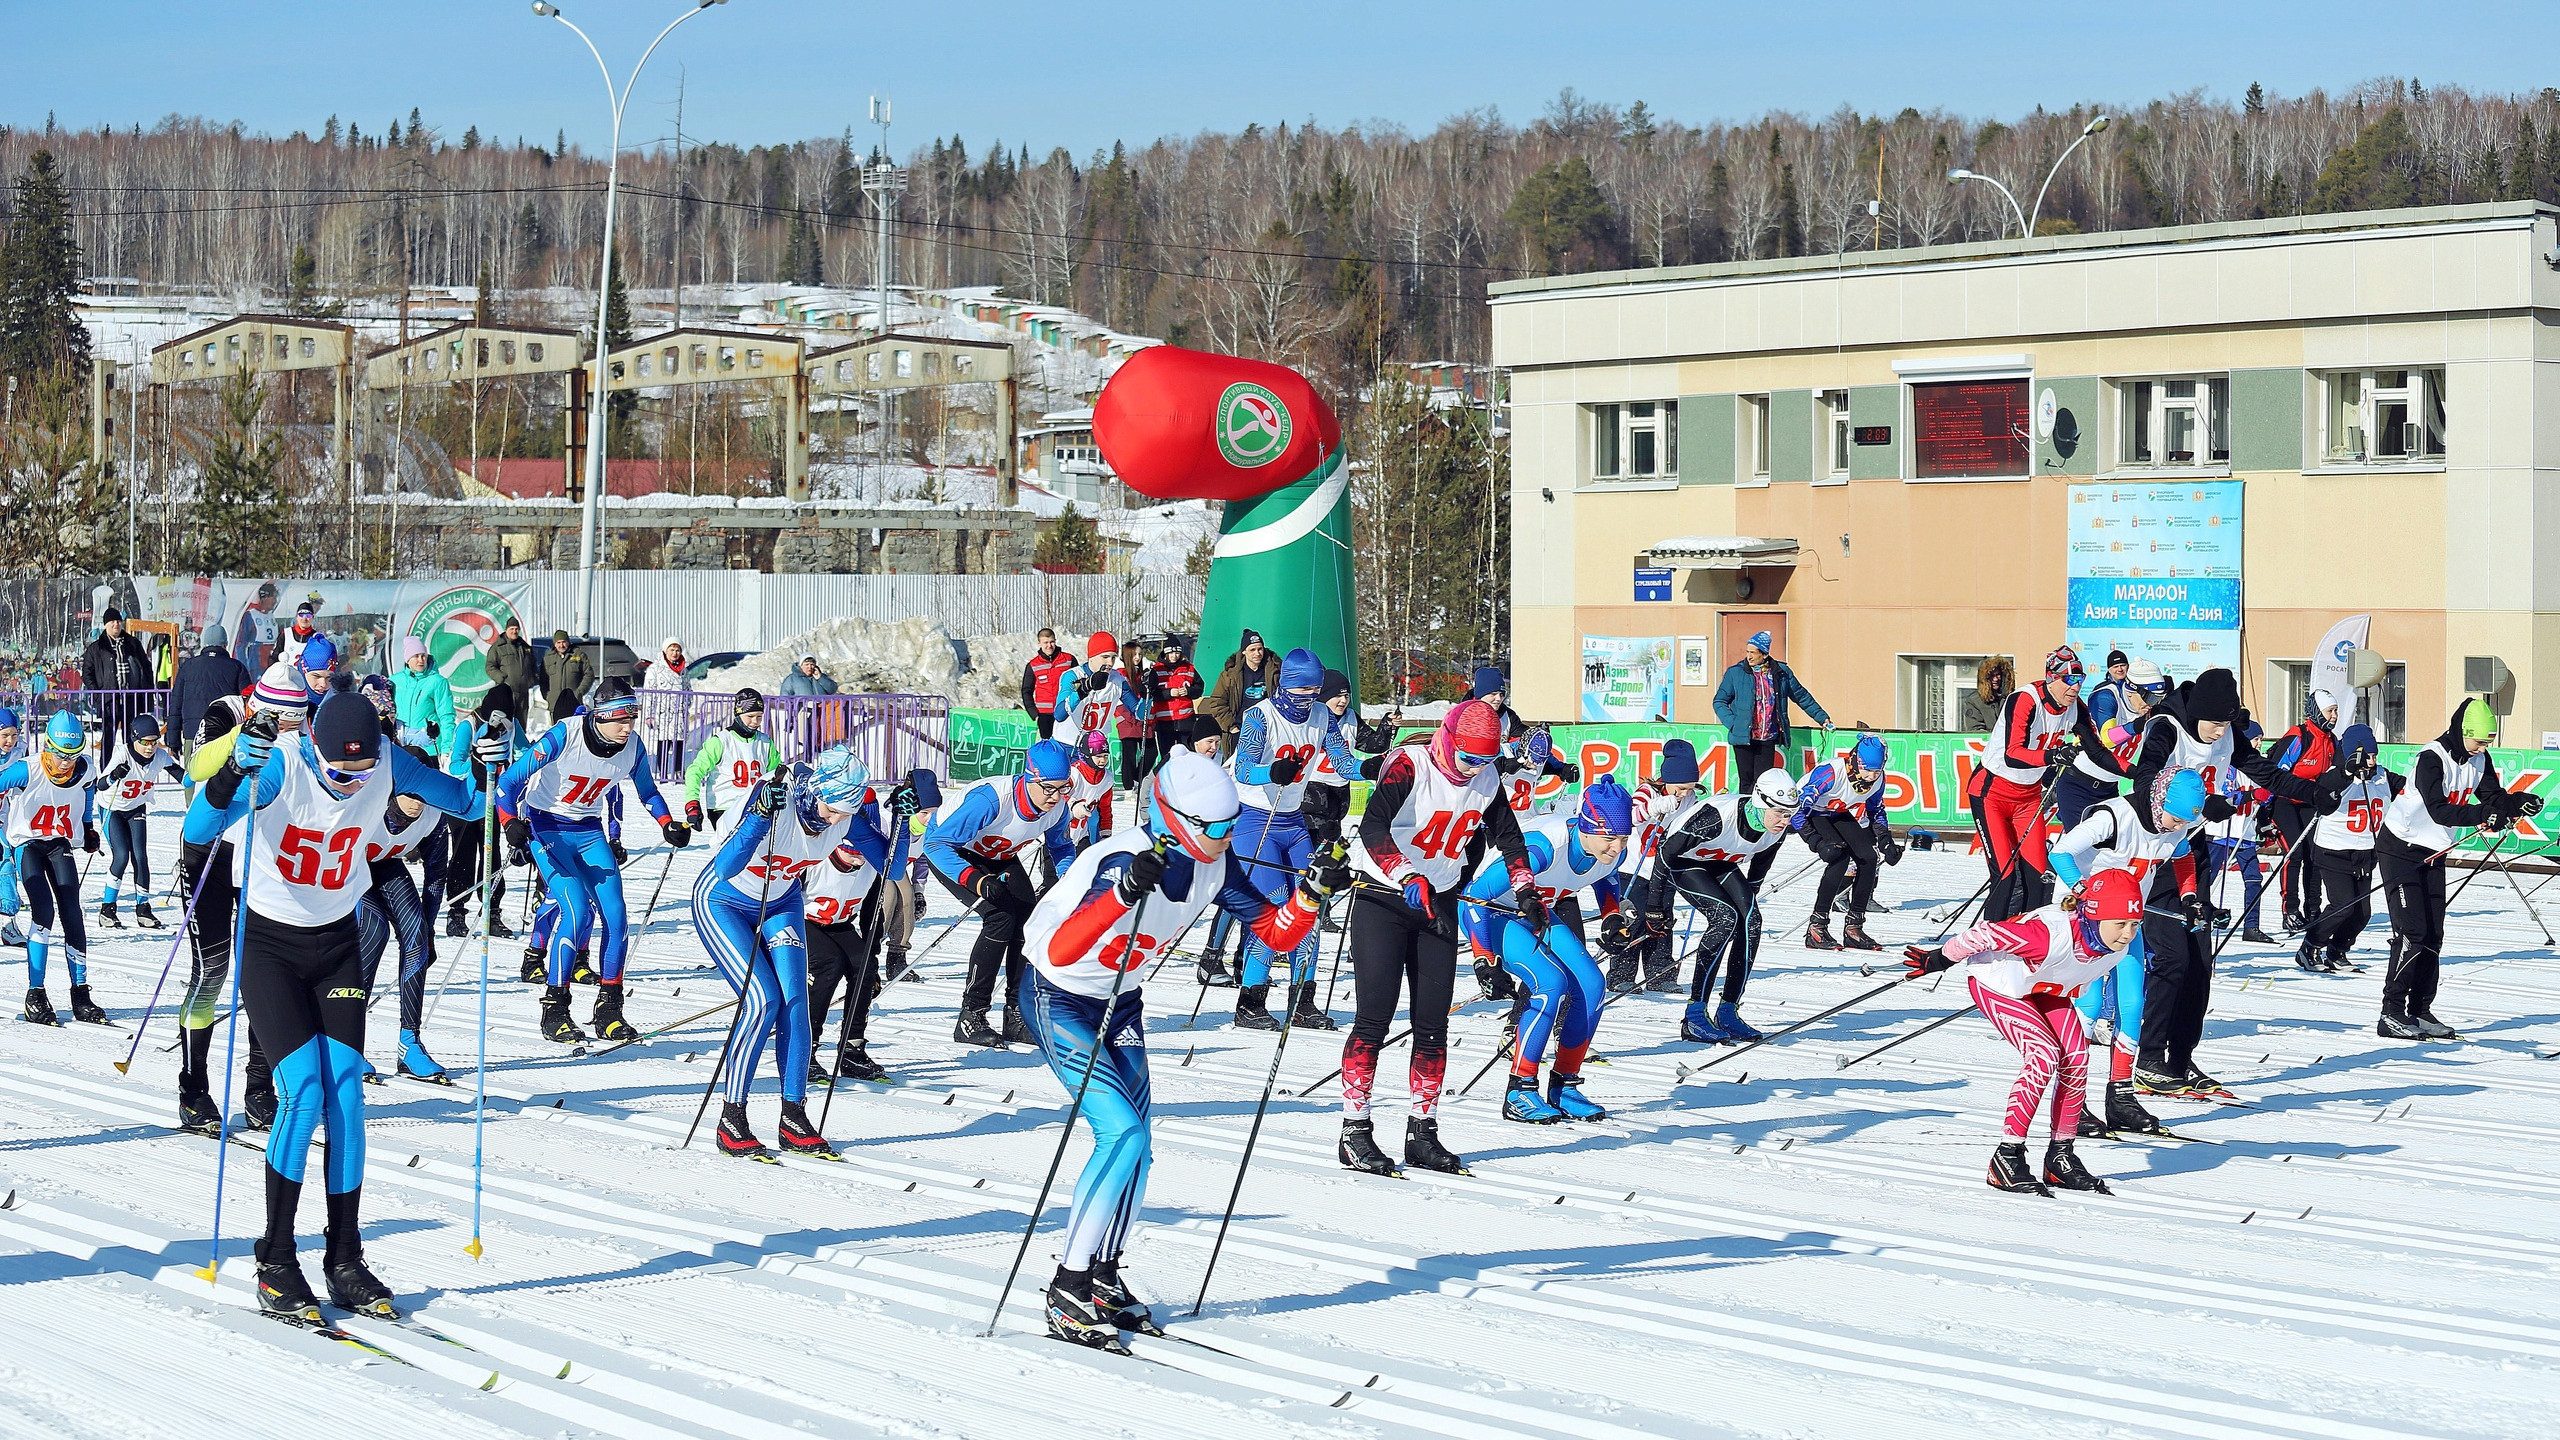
point(976, 851)
point(50, 804)
point(1545, 953)
point(1840, 813)
point(1276, 745)
point(1643, 956)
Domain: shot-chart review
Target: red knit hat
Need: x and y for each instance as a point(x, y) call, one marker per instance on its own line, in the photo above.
point(1471, 727)
point(1100, 645)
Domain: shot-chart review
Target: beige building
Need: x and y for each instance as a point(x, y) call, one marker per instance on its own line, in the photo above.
point(1873, 454)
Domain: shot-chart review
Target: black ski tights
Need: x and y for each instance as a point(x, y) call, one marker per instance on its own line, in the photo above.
point(1394, 945)
point(2413, 886)
point(1728, 927)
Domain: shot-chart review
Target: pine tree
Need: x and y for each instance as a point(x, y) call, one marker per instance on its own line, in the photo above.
point(329, 132)
point(2525, 183)
point(1790, 212)
point(470, 139)
point(239, 523)
point(302, 288)
point(2255, 102)
point(803, 258)
point(1563, 220)
point(624, 406)
point(40, 272)
point(1072, 545)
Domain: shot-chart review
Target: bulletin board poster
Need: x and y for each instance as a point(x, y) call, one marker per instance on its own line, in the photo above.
point(2154, 570)
point(1626, 678)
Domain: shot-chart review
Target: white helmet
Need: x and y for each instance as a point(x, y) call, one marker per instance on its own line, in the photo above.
point(1775, 790)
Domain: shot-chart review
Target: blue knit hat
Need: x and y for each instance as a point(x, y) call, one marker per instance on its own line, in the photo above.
point(1759, 641)
point(1679, 763)
point(1607, 808)
point(1487, 681)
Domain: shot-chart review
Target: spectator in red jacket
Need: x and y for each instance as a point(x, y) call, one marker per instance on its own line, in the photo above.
point(1173, 688)
point(1040, 676)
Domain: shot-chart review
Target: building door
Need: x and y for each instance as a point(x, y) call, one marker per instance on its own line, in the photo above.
point(1735, 626)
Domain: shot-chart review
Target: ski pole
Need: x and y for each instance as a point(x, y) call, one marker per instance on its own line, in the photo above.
point(1252, 1134)
point(1749, 1046)
point(1848, 1060)
point(1092, 1059)
point(661, 1030)
point(212, 1271)
point(2528, 906)
point(746, 977)
point(185, 928)
point(1342, 941)
point(1799, 873)
point(661, 886)
point(480, 1078)
point(872, 927)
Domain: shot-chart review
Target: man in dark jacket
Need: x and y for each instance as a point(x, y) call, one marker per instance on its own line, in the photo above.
point(514, 663)
point(203, 678)
point(115, 662)
point(1752, 702)
point(565, 675)
point(1248, 676)
point(1040, 676)
point(1173, 693)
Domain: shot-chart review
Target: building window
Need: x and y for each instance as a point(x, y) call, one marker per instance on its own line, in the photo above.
point(2382, 417)
point(1969, 430)
point(2177, 424)
point(1934, 694)
point(2385, 707)
point(1635, 441)
point(1755, 438)
point(1831, 433)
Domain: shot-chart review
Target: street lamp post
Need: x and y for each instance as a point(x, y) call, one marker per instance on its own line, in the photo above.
point(591, 510)
point(2026, 216)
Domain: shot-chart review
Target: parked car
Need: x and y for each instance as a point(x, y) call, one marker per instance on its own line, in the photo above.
point(704, 667)
point(620, 661)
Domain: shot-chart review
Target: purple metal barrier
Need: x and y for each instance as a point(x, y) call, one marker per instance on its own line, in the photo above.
point(892, 733)
point(93, 706)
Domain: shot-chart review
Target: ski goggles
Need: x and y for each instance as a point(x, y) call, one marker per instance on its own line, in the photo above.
point(346, 780)
point(612, 710)
point(1469, 757)
point(1209, 829)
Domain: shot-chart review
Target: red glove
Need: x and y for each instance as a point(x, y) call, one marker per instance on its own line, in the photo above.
point(1417, 893)
point(1919, 962)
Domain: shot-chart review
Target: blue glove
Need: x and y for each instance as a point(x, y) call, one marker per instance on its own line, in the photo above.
point(1417, 893)
point(257, 741)
point(1541, 747)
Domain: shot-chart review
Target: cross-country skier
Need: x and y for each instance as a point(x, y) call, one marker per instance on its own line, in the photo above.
point(2149, 838)
point(1647, 958)
point(975, 850)
point(552, 799)
point(1118, 905)
point(2037, 728)
point(1278, 741)
point(1327, 801)
point(1431, 798)
point(1098, 700)
point(843, 901)
point(2452, 782)
point(124, 793)
point(51, 799)
point(2022, 974)
point(10, 934)
point(1840, 812)
point(1088, 798)
point(299, 809)
point(747, 907)
point(2197, 728)
point(1567, 855)
point(1715, 854)
point(2337, 858)
point(2094, 776)
point(2308, 750)
point(732, 762)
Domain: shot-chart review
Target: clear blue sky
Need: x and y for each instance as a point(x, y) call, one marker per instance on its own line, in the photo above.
point(1085, 75)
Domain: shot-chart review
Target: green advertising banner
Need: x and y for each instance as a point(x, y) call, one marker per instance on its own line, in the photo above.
point(1925, 781)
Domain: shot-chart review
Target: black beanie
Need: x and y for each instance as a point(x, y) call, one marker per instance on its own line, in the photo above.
point(2214, 695)
point(1251, 638)
point(501, 700)
point(1335, 683)
point(2116, 658)
point(347, 728)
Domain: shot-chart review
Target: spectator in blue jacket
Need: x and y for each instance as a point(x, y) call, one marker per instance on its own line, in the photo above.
point(1752, 702)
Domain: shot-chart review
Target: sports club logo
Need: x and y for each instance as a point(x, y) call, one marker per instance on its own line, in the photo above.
point(1253, 426)
point(459, 625)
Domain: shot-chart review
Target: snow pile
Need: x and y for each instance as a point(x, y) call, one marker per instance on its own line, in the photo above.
point(913, 656)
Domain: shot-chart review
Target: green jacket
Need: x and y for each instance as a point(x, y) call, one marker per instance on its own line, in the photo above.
point(424, 703)
point(727, 766)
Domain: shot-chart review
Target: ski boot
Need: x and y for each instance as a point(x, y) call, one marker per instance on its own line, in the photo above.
point(144, 916)
point(2125, 1114)
point(1665, 978)
point(417, 1064)
point(533, 971)
point(2090, 1126)
point(1817, 934)
point(899, 969)
point(799, 1137)
point(973, 1029)
point(455, 927)
point(1076, 1317)
point(818, 1074)
point(2205, 1087)
point(737, 1137)
point(2422, 1016)
point(854, 1062)
point(282, 1292)
point(196, 1112)
point(1358, 1149)
point(1729, 1020)
point(258, 1100)
point(2251, 934)
point(1423, 1150)
point(1853, 934)
point(1212, 971)
point(87, 1011)
point(1522, 1102)
point(1565, 1093)
point(498, 927)
point(1251, 1013)
point(1622, 972)
point(2158, 1082)
point(582, 973)
point(1302, 1008)
point(2009, 1171)
point(1017, 1031)
point(606, 1020)
point(107, 915)
point(1114, 1299)
point(2063, 1170)
point(2395, 1026)
point(558, 1025)
point(13, 934)
point(355, 1289)
point(39, 1009)
point(1699, 1028)
point(2310, 959)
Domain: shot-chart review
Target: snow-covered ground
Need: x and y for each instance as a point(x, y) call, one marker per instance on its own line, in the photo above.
point(1773, 1247)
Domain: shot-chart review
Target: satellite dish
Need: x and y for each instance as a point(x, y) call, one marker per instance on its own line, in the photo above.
point(2365, 667)
point(2046, 405)
point(2066, 434)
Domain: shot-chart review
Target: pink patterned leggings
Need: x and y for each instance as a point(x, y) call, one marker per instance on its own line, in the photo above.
point(2046, 1031)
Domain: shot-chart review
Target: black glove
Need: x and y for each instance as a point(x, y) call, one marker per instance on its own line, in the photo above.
point(1007, 890)
point(434, 731)
point(1657, 923)
point(1891, 849)
point(2199, 915)
point(1532, 906)
point(1921, 962)
point(2217, 809)
point(693, 813)
point(256, 742)
point(1145, 873)
point(902, 802)
point(621, 857)
point(2335, 782)
point(1614, 930)
point(90, 844)
point(677, 833)
point(768, 797)
point(519, 842)
point(1285, 771)
point(2523, 804)
point(2059, 756)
